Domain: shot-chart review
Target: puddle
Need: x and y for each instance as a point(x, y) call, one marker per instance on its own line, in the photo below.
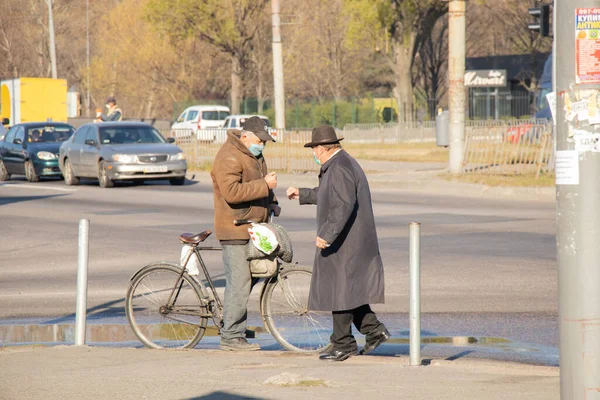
point(65, 333)
point(121, 333)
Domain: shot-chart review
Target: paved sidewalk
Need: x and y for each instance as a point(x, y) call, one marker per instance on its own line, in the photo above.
point(66, 372)
point(413, 176)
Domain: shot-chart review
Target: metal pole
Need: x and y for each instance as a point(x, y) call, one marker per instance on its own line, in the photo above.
point(82, 281)
point(87, 51)
point(52, 43)
point(278, 67)
point(456, 90)
point(414, 229)
point(578, 196)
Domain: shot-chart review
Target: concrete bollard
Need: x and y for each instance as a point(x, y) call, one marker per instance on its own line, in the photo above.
point(414, 229)
point(82, 281)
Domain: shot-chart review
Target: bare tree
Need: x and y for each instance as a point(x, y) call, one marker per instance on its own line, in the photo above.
point(431, 66)
point(228, 25)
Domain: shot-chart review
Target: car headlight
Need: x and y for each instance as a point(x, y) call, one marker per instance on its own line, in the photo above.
point(176, 157)
point(125, 158)
point(46, 155)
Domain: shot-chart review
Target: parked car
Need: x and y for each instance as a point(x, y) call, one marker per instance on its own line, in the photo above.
point(200, 121)
point(235, 122)
point(114, 151)
point(31, 149)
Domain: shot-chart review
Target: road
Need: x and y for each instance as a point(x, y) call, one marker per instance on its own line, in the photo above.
point(488, 264)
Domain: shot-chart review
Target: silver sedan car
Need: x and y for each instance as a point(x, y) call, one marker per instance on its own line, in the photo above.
point(114, 151)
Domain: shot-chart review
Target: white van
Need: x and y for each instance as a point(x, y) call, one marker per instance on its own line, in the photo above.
point(201, 121)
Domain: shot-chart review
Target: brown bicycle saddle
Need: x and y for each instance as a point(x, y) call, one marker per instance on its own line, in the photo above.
point(194, 238)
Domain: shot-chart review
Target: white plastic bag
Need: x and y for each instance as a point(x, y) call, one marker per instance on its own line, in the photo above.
point(263, 238)
point(193, 265)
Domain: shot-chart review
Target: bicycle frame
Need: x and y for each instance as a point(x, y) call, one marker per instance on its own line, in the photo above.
point(216, 315)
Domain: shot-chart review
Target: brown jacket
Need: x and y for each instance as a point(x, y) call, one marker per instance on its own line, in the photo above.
point(240, 191)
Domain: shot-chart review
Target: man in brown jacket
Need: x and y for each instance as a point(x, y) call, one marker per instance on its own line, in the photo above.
point(243, 189)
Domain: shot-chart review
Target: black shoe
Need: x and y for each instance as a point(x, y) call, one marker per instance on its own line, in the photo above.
point(337, 355)
point(374, 340)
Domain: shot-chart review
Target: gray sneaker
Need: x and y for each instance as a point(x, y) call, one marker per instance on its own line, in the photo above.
point(238, 344)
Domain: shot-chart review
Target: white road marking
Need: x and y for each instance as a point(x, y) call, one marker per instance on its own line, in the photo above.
point(34, 186)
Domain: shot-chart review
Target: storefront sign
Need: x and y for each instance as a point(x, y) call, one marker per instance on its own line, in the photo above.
point(482, 78)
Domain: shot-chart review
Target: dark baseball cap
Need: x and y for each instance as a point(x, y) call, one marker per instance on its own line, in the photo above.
point(257, 126)
point(111, 99)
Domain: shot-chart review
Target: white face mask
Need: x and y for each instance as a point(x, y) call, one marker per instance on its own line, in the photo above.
point(108, 106)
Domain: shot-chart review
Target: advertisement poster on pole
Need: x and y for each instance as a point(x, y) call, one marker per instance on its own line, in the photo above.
point(587, 45)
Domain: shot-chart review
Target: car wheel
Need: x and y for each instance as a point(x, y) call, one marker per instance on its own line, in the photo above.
point(30, 172)
point(179, 181)
point(70, 178)
point(103, 178)
point(4, 175)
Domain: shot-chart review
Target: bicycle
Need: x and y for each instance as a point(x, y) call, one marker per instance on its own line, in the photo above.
point(168, 308)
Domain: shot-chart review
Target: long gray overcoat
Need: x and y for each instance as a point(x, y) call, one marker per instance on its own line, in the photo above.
point(349, 273)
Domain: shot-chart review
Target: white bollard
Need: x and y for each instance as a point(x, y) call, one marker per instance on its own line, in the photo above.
point(414, 229)
point(82, 281)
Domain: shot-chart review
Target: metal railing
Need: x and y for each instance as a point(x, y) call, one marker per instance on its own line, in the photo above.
point(509, 149)
point(492, 147)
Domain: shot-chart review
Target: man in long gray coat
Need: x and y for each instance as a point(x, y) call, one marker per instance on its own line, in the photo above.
point(348, 271)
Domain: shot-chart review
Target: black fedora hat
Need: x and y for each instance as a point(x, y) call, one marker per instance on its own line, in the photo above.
point(323, 134)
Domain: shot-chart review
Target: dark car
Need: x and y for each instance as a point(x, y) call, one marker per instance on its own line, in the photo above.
point(114, 151)
point(31, 149)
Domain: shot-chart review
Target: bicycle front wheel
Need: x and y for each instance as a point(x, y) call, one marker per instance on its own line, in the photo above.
point(286, 314)
point(164, 308)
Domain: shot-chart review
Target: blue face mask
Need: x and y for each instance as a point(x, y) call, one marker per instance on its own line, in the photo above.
point(316, 159)
point(256, 149)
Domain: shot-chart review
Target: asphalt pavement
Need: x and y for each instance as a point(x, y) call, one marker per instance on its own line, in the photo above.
point(488, 255)
point(488, 293)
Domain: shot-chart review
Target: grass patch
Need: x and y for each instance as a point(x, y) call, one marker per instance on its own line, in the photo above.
point(406, 152)
point(278, 154)
point(523, 180)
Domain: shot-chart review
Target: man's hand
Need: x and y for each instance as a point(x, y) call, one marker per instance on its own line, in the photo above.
point(275, 208)
point(271, 180)
point(293, 193)
point(322, 244)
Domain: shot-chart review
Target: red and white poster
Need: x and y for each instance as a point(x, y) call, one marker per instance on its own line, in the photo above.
point(587, 45)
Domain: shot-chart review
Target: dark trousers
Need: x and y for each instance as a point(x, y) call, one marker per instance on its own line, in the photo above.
point(363, 318)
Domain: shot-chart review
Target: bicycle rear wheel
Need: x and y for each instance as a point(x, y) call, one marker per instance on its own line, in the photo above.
point(158, 324)
point(286, 314)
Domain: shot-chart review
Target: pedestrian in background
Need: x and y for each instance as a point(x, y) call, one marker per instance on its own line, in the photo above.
point(113, 112)
point(243, 189)
point(348, 271)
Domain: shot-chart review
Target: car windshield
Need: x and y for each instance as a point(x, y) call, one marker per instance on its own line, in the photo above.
point(49, 133)
point(215, 115)
point(130, 135)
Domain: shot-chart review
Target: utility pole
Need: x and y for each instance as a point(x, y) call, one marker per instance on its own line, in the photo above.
point(278, 67)
point(578, 195)
point(456, 90)
point(87, 51)
point(51, 43)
